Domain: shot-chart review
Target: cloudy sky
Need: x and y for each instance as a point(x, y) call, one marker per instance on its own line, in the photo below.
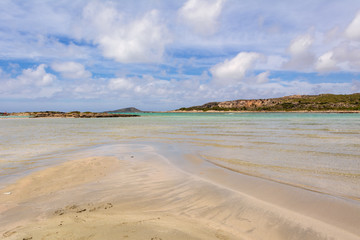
point(166, 54)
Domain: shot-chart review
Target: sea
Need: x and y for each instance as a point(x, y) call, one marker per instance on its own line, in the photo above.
point(318, 152)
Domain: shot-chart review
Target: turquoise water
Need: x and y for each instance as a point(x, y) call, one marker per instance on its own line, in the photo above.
point(315, 151)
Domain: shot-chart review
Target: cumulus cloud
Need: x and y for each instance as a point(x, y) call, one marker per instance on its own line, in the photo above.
point(348, 55)
point(301, 57)
point(37, 77)
point(326, 63)
point(202, 15)
point(72, 70)
point(344, 53)
point(120, 84)
point(31, 83)
point(273, 62)
point(263, 77)
point(345, 56)
point(235, 69)
point(353, 30)
point(300, 45)
point(139, 40)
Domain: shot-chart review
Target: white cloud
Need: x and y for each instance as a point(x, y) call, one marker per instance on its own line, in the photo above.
point(139, 40)
point(326, 63)
point(263, 77)
point(353, 30)
point(88, 90)
point(31, 83)
point(343, 52)
point(345, 57)
point(355, 86)
point(37, 77)
point(202, 15)
point(120, 84)
point(72, 70)
point(300, 45)
point(348, 55)
point(300, 52)
point(332, 35)
point(273, 62)
point(235, 69)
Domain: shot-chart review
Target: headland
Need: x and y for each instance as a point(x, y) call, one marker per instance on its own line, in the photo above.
point(295, 103)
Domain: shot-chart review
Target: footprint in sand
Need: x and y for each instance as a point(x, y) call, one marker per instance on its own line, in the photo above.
point(10, 232)
point(81, 210)
point(220, 236)
point(78, 209)
point(59, 212)
point(100, 206)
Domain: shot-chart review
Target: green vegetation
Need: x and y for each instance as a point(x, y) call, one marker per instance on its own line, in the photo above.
point(74, 112)
point(323, 102)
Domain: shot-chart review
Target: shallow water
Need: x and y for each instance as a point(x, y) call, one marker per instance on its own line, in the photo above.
point(319, 152)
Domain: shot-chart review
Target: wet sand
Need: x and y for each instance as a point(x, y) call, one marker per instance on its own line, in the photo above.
point(139, 194)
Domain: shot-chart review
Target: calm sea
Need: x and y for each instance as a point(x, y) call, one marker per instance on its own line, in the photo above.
point(315, 151)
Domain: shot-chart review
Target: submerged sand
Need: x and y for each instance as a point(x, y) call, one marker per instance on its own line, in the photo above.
point(138, 194)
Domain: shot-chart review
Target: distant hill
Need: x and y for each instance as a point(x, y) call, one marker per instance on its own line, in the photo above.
point(322, 102)
point(126, 110)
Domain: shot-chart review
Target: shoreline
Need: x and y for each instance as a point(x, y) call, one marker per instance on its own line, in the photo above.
point(329, 208)
point(152, 196)
point(205, 112)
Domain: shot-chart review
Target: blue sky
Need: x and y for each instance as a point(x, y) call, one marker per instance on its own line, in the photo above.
point(163, 55)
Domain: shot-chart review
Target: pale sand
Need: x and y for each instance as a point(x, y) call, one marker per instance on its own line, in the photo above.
point(139, 195)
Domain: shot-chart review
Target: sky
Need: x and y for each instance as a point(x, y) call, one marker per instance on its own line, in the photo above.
point(158, 55)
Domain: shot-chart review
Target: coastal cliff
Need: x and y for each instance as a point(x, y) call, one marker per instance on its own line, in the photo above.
point(322, 102)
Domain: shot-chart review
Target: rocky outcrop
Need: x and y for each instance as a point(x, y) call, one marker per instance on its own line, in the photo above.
point(75, 114)
point(323, 102)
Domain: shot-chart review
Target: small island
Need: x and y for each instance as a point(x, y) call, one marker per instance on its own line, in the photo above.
point(296, 103)
point(126, 110)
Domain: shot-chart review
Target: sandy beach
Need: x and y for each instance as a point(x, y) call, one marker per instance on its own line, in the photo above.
point(179, 120)
point(138, 194)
